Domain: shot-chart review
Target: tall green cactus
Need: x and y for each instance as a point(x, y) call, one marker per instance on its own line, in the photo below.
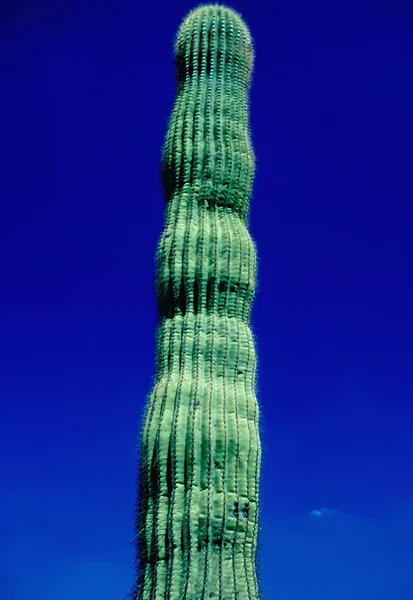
point(198, 518)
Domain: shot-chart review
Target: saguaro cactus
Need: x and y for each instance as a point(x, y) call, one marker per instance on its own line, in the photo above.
point(200, 460)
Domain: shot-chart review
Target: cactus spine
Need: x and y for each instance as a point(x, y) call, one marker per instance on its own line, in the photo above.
point(198, 517)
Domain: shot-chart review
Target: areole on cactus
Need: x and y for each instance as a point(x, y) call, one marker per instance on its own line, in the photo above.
point(200, 455)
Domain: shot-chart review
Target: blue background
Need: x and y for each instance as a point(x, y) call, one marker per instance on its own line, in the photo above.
point(86, 93)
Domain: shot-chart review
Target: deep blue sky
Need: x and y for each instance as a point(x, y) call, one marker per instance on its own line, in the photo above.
point(86, 93)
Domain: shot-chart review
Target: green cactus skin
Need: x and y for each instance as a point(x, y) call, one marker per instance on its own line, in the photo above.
point(198, 510)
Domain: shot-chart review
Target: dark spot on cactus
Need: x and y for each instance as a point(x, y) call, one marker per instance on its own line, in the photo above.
point(245, 511)
point(196, 295)
point(223, 286)
point(196, 403)
point(166, 300)
point(179, 58)
point(235, 511)
point(209, 294)
point(207, 174)
point(182, 298)
point(208, 56)
point(168, 178)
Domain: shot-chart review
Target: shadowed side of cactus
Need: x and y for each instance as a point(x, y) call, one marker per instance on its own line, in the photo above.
point(200, 459)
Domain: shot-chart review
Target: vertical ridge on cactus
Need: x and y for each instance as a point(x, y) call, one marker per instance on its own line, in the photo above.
point(200, 459)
